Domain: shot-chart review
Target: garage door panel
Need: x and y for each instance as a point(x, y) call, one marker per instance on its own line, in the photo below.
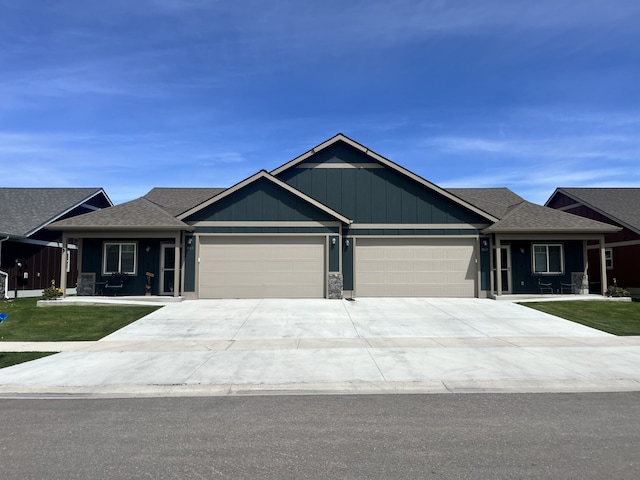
point(415, 267)
point(262, 267)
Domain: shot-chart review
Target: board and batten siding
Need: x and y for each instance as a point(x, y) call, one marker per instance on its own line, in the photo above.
point(351, 183)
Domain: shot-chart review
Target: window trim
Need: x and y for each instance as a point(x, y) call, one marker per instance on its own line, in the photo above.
point(547, 245)
point(120, 244)
point(608, 260)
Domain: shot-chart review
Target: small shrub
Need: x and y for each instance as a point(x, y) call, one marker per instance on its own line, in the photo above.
point(51, 293)
point(615, 291)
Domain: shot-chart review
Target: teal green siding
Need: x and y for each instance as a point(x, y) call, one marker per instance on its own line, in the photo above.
point(147, 262)
point(485, 264)
point(334, 254)
point(374, 195)
point(347, 264)
point(190, 265)
point(261, 200)
point(523, 278)
point(339, 152)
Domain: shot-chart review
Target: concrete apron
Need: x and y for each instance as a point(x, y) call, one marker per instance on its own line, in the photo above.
point(259, 347)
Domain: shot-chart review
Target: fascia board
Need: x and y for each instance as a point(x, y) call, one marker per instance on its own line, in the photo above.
point(555, 192)
point(309, 199)
point(429, 185)
point(313, 151)
point(221, 195)
point(64, 212)
point(386, 162)
point(598, 210)
point(266, 175)
point(553, 231)
point(85, 228)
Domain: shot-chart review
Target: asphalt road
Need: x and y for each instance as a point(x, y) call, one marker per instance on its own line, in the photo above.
point(483, 436)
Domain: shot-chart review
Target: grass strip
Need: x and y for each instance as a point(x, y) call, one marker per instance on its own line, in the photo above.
point(618, 318)
point(29, 323)
point(13, 358)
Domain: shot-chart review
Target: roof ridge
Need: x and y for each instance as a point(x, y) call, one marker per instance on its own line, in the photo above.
point(512, 208)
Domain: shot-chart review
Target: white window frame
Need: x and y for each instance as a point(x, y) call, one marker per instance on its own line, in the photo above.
point(608, 258)
point(119, 244)
point(547, 271)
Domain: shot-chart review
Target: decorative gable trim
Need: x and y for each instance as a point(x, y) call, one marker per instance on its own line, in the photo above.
point(81, 203)
point(262, 174)
point(581, 202)
point(379, 159)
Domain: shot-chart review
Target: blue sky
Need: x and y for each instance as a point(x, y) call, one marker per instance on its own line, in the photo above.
point(128, 95)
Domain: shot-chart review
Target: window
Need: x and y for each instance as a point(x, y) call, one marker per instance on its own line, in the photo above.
point(547, 258)
point(608, 258)
point(119, 258)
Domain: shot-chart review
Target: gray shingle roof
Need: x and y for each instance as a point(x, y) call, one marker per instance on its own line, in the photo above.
point(620, 204)
point(527, 217)
point(179, 200)
point(495, 201)
point(139, 214)
point(24, 211)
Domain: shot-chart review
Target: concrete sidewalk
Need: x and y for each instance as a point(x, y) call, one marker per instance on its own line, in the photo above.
point(231, 347)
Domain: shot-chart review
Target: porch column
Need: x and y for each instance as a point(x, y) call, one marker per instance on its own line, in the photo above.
point(604, 282)
point(176, 266)
point(585, 270)
point(63, 264)
point(498, 273)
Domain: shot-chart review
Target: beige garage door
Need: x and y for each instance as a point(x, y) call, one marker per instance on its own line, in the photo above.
point(262, 267)
point(396, 267)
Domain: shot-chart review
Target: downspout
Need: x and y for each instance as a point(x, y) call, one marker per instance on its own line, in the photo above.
point(5, 293)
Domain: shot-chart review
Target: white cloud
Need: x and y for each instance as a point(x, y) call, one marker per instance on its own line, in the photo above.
point(220, 157)
point(569, 149)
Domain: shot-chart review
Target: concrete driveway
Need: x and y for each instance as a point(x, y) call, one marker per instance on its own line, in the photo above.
point(223, 347)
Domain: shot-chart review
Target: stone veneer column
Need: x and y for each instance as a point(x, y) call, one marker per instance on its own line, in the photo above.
point(2, 282)
point(335, 286)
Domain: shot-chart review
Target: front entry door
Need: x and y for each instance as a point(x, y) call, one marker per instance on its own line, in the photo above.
point(167, 268)
point(505, 269)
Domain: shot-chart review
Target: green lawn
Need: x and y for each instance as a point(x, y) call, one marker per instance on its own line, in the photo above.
point(29, 323)
point(13, 358)
point(618, 318)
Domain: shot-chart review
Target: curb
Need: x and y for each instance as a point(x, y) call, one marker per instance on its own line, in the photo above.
point(348, 388)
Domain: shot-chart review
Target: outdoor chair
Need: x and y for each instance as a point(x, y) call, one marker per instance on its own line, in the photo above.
point(115, 283)
point(545, 287)
point(569, 287)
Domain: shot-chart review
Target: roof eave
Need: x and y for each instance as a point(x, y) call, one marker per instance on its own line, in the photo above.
point(108, 228)
point(635, 229)
point(63, 213)
point(389, 163)
point(266, 175)
point(551, 230)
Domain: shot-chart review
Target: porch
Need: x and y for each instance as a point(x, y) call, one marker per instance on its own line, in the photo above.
point(556, 297)
point(129, 300)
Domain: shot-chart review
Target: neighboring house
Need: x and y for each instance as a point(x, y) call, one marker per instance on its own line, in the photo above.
point(339, 219)
point(617, 206)
point(30, 255)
